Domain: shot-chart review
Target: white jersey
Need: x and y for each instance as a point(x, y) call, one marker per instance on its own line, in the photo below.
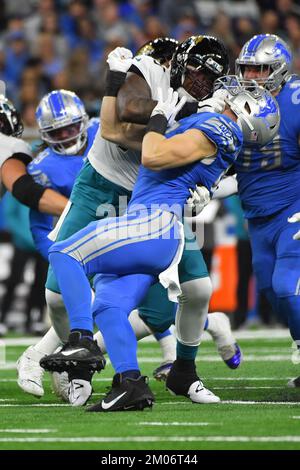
point(156, 75)
point(11, 145)
point(116, 164)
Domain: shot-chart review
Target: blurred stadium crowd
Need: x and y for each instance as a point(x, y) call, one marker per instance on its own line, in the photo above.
point(52, 44)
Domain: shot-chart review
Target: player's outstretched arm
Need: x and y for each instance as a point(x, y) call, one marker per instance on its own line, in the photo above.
point(159, 153)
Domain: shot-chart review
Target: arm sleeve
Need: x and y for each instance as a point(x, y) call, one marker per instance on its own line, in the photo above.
point(40, 226)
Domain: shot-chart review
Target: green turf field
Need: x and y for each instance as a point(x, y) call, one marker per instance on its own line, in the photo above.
point(258, 410)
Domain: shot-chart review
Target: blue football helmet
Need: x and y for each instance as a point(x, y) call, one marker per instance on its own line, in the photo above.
point(62, 122)
point(266, 50)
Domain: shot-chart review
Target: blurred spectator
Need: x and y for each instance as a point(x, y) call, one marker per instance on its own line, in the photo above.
point(34, 22)
point(292, 24)
point(222, 29)
point(15, 7)
point(16, 56)
point(269, 22)
point(111, 27)
point(187, 26)
point(52, 63)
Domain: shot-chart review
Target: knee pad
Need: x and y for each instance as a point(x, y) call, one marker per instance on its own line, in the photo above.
point(196, 292)
point(58, 314)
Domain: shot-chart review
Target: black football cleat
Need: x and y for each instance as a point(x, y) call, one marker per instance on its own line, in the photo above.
point(188, 384)
point(83, 352)
point(126, 394)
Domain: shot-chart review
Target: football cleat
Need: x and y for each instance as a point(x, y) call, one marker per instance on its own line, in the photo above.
point(220, 330)
point(189, 385)
point(78, 351)
point(294, 383)
point(60, 385)
point(80, 391)
point(126, 394)
point(30, 373)
point(231, 355)
point(80, 386)
point(161, 373)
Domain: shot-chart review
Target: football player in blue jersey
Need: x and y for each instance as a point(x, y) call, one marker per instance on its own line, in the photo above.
point(62, 122)
point(131, 252)
point(68, 135)
point(268, 180)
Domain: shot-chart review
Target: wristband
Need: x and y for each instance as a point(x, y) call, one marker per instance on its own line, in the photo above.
point(27, 191)
point(114, 81)
point(157, 123)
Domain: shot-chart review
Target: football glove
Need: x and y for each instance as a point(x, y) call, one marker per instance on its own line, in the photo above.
point(120, 60)
point(215, 104)
point(292, 220)
point(170, 106)
point(195, 204)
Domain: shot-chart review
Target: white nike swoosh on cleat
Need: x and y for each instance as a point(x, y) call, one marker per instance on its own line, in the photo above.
point(68, 353)
point(106, 406)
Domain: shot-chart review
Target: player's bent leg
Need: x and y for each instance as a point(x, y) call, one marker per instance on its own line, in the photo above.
point(190, 320)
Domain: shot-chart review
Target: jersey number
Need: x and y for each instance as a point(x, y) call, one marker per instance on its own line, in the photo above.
point(271, 155)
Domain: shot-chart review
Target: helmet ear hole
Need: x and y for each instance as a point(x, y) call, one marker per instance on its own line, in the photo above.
point(247, 107)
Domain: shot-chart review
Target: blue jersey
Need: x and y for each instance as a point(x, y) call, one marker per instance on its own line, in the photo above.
point(268, 177)
point(171, 187)
point(57, 172)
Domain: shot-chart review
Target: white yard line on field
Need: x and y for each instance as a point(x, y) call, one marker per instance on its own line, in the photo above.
point(234, 402)
point(267, 334)
point(98, 439)
point(175, 423)
point(28, 431)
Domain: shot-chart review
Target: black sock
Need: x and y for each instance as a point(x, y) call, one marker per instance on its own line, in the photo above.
point(184, 365)
point(132, 374)
point(84, 333)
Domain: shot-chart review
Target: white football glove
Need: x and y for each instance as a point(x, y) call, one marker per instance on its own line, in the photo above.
point(120, 60)
point(215, 104)
point(195, 204)
point(292, 220)
point(170, 106)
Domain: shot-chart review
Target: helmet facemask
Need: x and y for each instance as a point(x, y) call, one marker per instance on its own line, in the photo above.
point(67, 140)
point(197, 63)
